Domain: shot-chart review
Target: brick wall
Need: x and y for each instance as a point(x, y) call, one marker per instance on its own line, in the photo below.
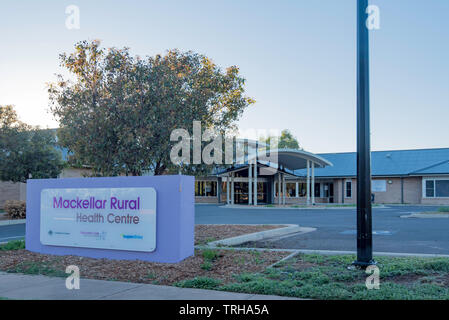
point(337, 190)
point(300, 200)
point(353, 198)
point(436, 201)
point(413, 190)
point(392, 193)
point(432, 201)
point(206, 200)
point(10, 191)
point(74, 173)
point(23, 191)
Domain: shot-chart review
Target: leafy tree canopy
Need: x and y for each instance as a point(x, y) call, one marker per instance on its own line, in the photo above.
point(117, 111)
point(285, 141)
point(26, 151)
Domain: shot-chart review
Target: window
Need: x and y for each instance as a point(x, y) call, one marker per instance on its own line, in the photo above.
point(291, 190)
point(442, 188)
point(430, 188)
point(326, 190)
point(436, 188)
point(302, 189)
point(317, 190)
point(205, 188)
point(348, 192)
point(378, 185)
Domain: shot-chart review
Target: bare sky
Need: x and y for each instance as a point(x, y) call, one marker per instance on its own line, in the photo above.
point(298, 58)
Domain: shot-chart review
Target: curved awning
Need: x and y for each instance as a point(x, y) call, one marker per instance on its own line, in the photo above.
point(291, 159)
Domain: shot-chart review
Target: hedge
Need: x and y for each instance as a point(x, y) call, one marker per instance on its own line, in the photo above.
point(15, 209)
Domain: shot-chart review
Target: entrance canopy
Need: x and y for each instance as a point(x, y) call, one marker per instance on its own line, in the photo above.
point(292, 159)
point(282, 164)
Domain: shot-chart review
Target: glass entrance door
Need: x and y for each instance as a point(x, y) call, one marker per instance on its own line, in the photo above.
point(241, 192)
point(262, 194)
point(329, 191)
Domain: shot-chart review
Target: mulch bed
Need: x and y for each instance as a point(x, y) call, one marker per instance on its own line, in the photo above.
point(227, 264)
point(225, 267)
point(210, 232)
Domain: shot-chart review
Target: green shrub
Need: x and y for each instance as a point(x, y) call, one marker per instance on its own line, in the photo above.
point(437, 265)
point(443, 209)
point(13, 245)
point(210, 255)
point(37, 267)
point(207, 265)
point(15, 209)
point(199, 283)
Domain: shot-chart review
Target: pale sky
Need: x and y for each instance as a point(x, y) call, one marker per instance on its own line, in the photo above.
point(297, 56)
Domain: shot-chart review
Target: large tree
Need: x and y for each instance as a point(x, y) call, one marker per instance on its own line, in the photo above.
point(26, 151)
point(117, 112)
point(285, 141)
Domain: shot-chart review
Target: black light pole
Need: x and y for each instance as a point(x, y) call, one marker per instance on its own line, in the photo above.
point(364, 217)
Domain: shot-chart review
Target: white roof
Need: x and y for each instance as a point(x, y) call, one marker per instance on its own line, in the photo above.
point(291, 159)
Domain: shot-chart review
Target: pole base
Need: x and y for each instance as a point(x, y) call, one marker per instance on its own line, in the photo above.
point(364, 264)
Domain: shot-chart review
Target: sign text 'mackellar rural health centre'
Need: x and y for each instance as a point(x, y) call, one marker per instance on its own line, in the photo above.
point(146, 218)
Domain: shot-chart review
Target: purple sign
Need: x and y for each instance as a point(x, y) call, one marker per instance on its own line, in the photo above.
point(144, 218)
point(103, 218)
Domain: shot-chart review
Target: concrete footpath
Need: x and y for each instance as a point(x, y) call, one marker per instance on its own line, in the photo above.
point(36, 287)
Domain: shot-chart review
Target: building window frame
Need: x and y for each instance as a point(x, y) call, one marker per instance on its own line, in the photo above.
point(317, 189)
point(434, 187)
point(289, 190)
point(201, 187)
point(348, 189)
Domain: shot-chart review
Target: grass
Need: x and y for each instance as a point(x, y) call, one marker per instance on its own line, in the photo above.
point(206, 241)
point(209, 256)
point(343, 205)
point(328, 277)
point(305, 276)
point(442, 211)
point(43, 268)
point(28, 267)
point(207, 265)
point(13, 245)
point(350, 205)
point(323, 205)
point(200, 283)
point(151, 275)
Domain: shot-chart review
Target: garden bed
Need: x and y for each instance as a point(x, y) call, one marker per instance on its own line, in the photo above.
point(212, 232)
point(250, 271)
point(222, 265)
point(328, 277)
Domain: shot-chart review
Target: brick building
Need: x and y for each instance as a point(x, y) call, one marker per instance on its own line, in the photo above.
point(398, 177)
